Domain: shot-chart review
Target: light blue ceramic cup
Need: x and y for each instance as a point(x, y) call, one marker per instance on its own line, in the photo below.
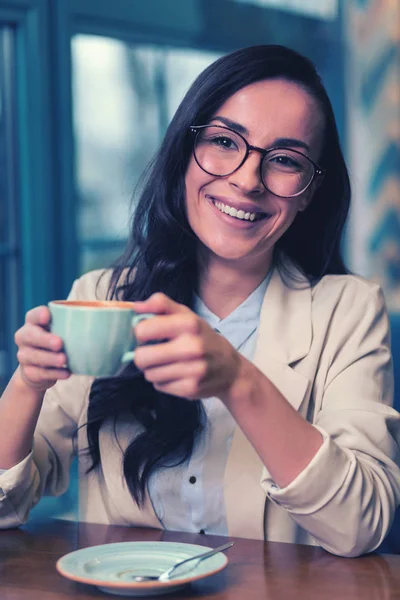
point(99, 337)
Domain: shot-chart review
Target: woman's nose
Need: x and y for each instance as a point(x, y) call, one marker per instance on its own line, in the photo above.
point(247, 178)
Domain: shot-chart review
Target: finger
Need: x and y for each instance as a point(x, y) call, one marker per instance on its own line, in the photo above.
point(168, 326)
point(41, 358)
point(186, 388)
point(40, 315)
point(159, 304)
point(34, 335)
point(39, 375)
point(182, 370)
point(186, 347)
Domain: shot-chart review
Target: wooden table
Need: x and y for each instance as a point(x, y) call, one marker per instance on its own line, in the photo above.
point(256, 570)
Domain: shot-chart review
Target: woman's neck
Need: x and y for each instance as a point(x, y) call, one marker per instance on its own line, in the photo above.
point(224, 285)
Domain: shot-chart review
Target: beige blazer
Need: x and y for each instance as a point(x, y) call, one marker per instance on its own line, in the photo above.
point(326, 349)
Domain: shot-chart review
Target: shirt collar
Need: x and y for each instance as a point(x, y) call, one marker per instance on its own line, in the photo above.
point(243, 321)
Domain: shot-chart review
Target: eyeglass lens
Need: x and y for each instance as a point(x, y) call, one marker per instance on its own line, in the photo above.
point(221, 151)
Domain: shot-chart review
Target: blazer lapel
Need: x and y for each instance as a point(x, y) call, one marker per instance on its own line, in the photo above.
point(284, 337)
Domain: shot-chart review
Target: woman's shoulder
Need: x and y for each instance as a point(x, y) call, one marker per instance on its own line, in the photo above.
point(343, 288)
point(348, 283)
point(349, 291)
point(93, 285)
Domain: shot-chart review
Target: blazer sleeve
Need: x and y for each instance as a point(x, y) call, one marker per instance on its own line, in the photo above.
point(347, 496)
point(45, 471)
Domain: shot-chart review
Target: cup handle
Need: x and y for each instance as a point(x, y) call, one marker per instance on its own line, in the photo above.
point(129, 356)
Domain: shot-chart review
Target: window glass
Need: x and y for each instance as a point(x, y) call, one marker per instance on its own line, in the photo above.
point(124, 97)
point(9, 255)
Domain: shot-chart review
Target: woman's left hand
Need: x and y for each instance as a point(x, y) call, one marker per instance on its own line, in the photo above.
point(193, 361)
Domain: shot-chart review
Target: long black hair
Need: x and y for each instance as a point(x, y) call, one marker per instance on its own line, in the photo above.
point(161, 254)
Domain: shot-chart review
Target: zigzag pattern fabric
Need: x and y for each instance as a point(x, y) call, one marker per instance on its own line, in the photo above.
point(374, 140)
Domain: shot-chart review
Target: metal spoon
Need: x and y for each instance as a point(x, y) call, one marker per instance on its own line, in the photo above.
point(167, 574)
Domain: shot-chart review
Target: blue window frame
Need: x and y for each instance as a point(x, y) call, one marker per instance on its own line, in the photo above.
point(26, 237)
point(9, 233)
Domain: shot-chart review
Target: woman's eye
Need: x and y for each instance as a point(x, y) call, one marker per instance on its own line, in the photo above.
point(223, 142)
point(287, 162)
point(284, 160)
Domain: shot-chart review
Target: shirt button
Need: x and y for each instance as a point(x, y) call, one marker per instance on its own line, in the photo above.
point(201, 531)
point(192, 479)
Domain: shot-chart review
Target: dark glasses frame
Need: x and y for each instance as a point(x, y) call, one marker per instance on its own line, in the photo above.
point(317, 170)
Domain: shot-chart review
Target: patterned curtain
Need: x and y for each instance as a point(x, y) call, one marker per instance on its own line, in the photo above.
point(373, 100)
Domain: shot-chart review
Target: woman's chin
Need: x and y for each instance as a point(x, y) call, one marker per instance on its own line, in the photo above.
point(226, 253)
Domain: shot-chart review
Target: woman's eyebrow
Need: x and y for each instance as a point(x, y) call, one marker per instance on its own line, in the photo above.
point(232, 125)
point(279, 142)
point(290, 142)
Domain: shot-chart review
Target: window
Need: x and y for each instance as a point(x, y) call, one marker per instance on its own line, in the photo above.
point(124, 96)
point(9, 248)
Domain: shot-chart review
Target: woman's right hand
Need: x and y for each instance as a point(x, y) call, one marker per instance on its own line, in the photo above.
point(40, 353)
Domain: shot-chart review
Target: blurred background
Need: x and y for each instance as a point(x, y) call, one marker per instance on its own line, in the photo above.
point(87, 88)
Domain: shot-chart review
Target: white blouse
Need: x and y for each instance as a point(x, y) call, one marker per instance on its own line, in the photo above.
point(190, 497)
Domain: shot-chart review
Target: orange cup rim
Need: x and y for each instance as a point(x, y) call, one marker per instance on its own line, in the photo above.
point(90, 304)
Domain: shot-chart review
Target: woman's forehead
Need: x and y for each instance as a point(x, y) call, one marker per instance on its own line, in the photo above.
point(275, 108)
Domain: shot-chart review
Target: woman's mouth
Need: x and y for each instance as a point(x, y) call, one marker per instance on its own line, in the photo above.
point(240, 215)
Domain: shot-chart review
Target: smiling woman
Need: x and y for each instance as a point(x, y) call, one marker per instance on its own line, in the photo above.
point(259, 400)
point(233, 179)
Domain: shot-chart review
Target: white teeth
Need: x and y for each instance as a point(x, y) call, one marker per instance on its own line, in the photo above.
point(233, 212)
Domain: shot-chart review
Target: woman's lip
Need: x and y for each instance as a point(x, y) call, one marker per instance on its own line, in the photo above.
point(246, 207)
point(232, 221)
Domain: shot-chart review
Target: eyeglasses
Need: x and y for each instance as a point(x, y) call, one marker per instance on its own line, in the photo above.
point(284, 172)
